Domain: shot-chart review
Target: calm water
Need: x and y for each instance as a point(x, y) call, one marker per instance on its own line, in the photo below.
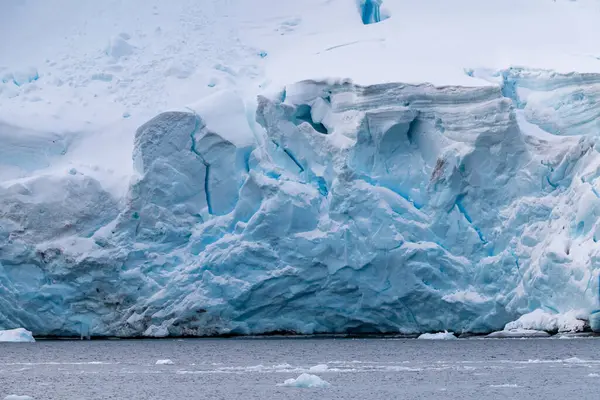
point(252, 368)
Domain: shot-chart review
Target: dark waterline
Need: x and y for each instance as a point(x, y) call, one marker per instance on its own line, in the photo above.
point(251, 368)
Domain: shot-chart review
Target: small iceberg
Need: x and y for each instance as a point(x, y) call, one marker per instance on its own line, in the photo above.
point(438, 336)
point(16, 335)
point(164, 362)
point(306, 381)
point(16, 397)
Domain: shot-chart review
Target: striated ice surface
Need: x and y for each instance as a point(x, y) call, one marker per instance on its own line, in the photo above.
point(334, 208)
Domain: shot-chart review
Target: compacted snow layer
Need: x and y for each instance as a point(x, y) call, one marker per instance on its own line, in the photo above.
point(230, 169)
point(16, 335)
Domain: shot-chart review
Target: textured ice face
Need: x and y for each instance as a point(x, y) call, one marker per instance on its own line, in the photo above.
point(388, 208)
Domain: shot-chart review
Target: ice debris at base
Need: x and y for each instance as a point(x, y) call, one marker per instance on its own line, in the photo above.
point(539, 323)
point(572, 321)
point(518, 333)
point(438, 336)
point(306, 381)
point(164, 362)
point(17, 397)
point(16, 335)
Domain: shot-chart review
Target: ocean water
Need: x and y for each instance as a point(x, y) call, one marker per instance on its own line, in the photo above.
point(252, 368)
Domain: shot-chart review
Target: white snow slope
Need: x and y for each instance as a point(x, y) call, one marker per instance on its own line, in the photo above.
point(322, 165)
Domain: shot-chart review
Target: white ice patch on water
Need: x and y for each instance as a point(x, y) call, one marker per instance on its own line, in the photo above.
point(583, 336)
point(438, 336)
point(593, 375)
point(17, 397)
point(62, 363)
point(164, 362)
point(505, 385)
point(16, 335)
point(571, 360)
point(319, 368)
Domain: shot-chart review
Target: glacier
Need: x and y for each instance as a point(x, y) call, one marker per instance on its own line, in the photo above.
point(333, 208)
point(342, 166)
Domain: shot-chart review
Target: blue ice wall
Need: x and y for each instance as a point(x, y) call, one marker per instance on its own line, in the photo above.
point(390, 208)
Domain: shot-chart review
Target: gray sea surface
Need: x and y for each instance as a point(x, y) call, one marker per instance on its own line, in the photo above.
point(252, 368)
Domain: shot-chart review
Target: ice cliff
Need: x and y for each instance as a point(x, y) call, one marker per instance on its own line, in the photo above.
point(334, 208)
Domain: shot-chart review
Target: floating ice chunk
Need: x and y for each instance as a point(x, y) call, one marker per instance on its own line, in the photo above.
point(518, 333)
point(540, 320)
point(319, 368)
point(306, 381)
point(16, 335)
point(593, 375)
point(505, 385)
point(438, 336)
point(17, 397)
point(165, 362)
